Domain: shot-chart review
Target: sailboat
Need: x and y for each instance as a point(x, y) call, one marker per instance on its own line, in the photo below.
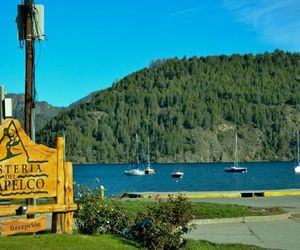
point(235, 168)
point(135, 170)
point(178, 174)
point(149, 170)
point(297, 166)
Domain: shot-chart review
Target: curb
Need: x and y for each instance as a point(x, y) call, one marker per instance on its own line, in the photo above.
point(240, 219)
point(215, 194)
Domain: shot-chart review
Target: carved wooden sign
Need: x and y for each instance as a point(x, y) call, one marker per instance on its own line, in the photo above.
point(27, 169)
point(10, 227)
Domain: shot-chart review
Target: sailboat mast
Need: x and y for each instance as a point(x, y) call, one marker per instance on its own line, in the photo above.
point(297, 147)
point(235, 151)
point(137, 148)
point(148, 152)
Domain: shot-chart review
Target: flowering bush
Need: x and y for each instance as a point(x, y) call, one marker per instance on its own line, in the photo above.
point(164, 224)
point(160, 227)
point(96, 215)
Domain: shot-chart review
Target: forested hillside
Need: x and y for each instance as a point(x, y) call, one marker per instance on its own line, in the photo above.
point(191, 109)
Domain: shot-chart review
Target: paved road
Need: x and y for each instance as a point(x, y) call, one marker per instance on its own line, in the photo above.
point(280, 233)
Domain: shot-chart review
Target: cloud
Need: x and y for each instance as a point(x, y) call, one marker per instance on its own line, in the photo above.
point(180, 13)
point(276, 21)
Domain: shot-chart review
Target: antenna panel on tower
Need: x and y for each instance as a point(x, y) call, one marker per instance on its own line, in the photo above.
point(37, 22)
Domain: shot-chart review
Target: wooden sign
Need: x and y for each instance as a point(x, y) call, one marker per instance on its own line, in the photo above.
point(27, 169)
point(30, 170)
point(10, 227)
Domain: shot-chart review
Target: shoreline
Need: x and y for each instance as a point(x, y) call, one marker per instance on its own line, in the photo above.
point(214, 194)
point(172, 163)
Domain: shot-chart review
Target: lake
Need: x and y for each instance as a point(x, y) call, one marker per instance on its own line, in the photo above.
point(197, 177)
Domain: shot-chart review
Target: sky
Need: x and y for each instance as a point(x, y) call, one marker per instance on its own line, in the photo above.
point(91, 45)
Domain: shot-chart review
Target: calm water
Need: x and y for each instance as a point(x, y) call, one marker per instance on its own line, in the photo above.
point(197, 177)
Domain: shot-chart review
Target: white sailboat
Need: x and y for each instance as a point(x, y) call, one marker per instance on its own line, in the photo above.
point(235, 168)
point(135, 168)
point(149, 170)
point(134, 172)
point(178, 174)
point(297, 166)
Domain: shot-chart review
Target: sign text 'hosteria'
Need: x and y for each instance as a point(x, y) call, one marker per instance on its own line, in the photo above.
point(27, 169)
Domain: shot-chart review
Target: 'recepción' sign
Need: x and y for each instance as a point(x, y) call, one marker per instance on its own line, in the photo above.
point(10, 227)
point(27, 169)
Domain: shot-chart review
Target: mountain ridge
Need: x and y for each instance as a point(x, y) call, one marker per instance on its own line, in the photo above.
point(43, 110)
point(191, 109)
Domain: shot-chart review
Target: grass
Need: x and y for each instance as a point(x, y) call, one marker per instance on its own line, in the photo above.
point(40, 201)
point(66, 242)
point(109, 242)
point(202, 210)
point(213, 211)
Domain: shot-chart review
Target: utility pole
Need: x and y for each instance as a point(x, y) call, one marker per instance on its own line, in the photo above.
point(30, 21)
point(1, 103)
point(29, 80)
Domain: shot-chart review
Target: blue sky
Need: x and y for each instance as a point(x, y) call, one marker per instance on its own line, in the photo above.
point(92, 44)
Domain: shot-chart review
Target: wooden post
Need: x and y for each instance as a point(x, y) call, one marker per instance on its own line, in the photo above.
point(69, 197)
point(11, 210)
point(58, 218)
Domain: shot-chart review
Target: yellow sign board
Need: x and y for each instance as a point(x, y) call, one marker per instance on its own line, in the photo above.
point(27, 169)
point(10, 227)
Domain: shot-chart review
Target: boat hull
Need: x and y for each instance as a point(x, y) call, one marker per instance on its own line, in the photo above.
point(149, 171)
point(134, 172)
point(235, 170)
point(297, 169)
point(177, 174)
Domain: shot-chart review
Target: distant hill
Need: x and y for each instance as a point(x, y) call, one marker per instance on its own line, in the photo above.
point(191, 109)
point(44, 111)
point(82, 100)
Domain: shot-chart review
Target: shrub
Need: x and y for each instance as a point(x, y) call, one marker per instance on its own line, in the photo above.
point(96, 215)
point(164, 224)
point(161, 226)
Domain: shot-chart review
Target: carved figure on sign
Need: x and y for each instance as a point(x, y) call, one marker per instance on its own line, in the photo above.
point(13, 140)
point(12, 144)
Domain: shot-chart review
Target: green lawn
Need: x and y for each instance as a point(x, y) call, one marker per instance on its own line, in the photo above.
point(208, 210)
point(86, 242)
point(212, 211)
point(66, 242)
